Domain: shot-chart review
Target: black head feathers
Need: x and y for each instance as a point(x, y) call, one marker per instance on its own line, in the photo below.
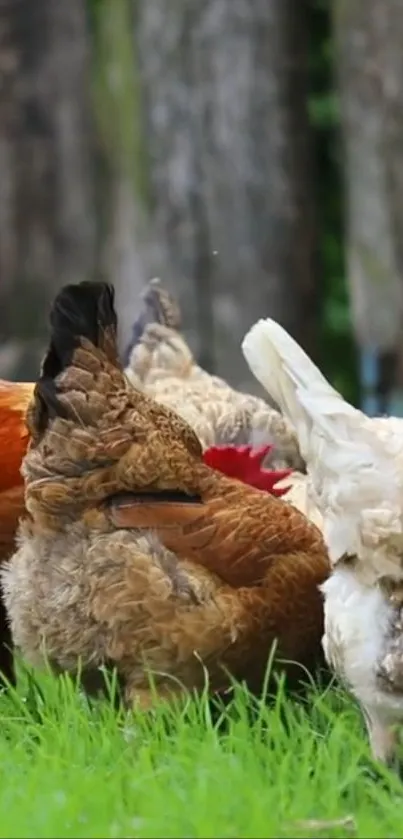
point(158, 307)
point(82, 311)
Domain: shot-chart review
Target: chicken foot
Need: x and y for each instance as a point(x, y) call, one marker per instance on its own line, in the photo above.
point(382, 737)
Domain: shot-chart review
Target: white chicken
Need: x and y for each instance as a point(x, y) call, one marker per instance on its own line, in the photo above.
point(355, 475)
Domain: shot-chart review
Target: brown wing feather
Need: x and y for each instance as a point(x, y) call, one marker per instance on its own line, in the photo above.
point(237, 532)
point(270, 559)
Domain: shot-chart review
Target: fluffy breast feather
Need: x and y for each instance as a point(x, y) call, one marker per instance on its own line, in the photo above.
point(358, 621)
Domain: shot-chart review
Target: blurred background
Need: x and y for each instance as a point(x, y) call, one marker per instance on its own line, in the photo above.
point(247, 152)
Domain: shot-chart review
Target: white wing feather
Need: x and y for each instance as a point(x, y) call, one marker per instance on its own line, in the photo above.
point(299, 496)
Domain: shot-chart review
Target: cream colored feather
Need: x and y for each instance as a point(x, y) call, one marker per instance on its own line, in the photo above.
point(299, 496)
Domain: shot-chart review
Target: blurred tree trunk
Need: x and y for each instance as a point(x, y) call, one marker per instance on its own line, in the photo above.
point(369, 43)
point(47, 234)
point(229, 143)
point(122, 188)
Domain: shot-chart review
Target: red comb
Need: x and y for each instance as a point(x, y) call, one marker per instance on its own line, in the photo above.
point(245, 464)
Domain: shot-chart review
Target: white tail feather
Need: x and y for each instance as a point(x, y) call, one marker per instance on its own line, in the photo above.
point(293, 380)
point(350, 467)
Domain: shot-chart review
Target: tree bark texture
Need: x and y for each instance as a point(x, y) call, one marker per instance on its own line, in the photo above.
point(369, 39)
point(230, 162)
point(47, 232)
point(121, 181)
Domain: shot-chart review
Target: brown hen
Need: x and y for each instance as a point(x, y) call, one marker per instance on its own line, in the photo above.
point(137, 554)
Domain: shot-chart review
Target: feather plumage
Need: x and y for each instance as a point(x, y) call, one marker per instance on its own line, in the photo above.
point(351, 469)
point(355, 473)
point(162, 364)
point(140, 555)
point(14, 401)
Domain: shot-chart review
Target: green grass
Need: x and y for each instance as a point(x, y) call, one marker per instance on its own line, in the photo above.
point(71, 769)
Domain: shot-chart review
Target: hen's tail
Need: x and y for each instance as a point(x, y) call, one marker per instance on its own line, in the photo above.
point(158, 307)
point(157, 345)
point(296, 384)
point(82, 316)
point(354, 474)
point(14, 400)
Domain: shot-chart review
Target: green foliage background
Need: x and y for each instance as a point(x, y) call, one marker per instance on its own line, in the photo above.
point(338, 348)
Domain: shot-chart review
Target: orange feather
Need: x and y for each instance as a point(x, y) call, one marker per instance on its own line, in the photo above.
point(14, 438)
